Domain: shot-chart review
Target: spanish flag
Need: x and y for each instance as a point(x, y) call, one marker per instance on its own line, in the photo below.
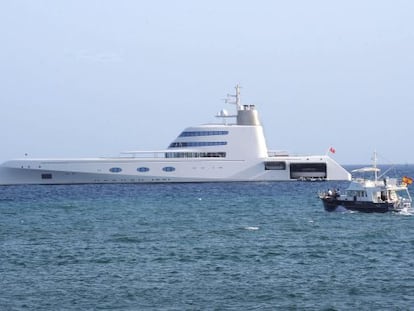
point(407, 180)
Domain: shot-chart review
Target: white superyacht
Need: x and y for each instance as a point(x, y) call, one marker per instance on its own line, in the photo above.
point(222, 152)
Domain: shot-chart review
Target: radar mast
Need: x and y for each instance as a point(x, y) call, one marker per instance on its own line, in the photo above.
point(235, 101)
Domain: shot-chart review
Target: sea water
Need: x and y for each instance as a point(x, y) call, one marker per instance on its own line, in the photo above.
point(207, 246)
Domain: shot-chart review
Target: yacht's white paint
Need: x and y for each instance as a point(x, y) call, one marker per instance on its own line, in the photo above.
point(243, 145)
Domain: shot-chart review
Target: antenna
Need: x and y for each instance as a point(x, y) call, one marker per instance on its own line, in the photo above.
point(230, 100)
point(374, 163)
point(238, 96)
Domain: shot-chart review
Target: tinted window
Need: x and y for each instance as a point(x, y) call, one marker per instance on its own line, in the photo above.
point(168, 169)
point(203, 133)
point(115, 169)
point(142, 169)
point(197, 144)
point(275, 165)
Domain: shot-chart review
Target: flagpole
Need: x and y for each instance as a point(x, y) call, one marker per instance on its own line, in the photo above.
point(330, 149)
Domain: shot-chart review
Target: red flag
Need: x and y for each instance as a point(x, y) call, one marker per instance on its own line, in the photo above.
point(332, 150)
point(407, 180)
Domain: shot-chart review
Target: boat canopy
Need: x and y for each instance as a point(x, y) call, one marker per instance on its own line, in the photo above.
point(366, 170)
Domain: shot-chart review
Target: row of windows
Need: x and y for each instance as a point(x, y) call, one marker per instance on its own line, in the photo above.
point(195, 155)
point(358, 193)
point(197, 144)
point(298, 168)
point(202, 133)
point(142, 169)
point(269, 165)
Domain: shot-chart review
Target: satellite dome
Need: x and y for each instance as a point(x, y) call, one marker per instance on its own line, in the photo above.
point(223, 113)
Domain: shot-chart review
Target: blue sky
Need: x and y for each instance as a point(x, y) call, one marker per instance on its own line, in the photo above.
point(93, 78)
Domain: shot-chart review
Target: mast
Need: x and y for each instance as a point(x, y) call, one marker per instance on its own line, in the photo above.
point(245, 114)
point(236, 96)
point(238, 105)
point(374, 164)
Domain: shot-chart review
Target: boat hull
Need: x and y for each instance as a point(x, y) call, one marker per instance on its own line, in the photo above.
point(160, 170)
point(333, 204)
point(205, 153)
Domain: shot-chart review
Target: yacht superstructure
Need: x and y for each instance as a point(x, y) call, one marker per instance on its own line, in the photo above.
point(204, 153)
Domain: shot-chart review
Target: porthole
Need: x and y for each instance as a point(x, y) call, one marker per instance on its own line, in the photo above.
point(142, 169)
point(115, 169)
point(168, 169)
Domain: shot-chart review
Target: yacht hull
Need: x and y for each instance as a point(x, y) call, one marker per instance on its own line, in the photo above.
point(120, 170)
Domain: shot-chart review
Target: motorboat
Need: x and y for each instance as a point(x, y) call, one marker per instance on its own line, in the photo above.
point(370, 192)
